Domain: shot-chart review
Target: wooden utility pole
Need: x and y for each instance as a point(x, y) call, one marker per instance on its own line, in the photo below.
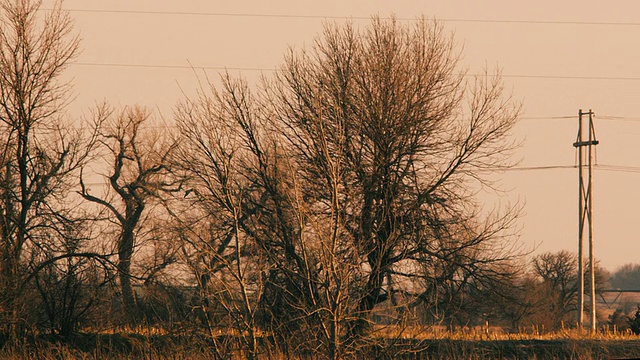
point(585, 214)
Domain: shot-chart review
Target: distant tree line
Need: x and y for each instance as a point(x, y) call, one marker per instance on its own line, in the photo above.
point(333, 200)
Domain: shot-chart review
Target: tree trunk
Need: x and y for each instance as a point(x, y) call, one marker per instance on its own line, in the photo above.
point(126, 288)
point(125, 253)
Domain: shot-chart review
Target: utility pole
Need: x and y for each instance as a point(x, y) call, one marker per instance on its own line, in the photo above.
point(585, 214)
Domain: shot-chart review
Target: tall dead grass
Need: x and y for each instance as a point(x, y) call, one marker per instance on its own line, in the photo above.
point(392, 342)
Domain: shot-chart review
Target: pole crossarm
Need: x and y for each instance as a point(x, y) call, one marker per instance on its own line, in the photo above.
point(585, 143)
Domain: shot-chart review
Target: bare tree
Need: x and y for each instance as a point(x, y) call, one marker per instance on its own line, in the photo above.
point(267, 258)
point(70, 281)
point(558, 273)
point(138, 161)
point(626, 277)
point(350, 175)
point(412, 137)
point(39, 149)
point(211, 162)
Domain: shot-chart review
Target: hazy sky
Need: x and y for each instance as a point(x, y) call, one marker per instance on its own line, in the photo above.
point(556, 56)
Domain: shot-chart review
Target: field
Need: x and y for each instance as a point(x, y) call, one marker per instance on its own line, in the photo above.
point(409, 344)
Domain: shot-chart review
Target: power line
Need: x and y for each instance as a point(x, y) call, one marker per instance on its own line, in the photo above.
point(618, 168)
point(168, 66)
point(342, 17)
point(599, 117)
point(615, 168)
point(543, 167)
point(544, 22)
point(561, 77)
point(619, 118)
point(547, 117)
point(238, 68)
point(603, 167)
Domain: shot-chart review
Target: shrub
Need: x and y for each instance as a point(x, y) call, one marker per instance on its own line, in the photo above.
point(634, 322)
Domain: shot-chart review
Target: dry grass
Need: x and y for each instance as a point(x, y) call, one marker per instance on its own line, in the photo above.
point(414, 342)
point(484, 342)
point(490, 333)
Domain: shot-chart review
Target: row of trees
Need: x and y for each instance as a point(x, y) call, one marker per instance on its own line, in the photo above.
point(337, 195)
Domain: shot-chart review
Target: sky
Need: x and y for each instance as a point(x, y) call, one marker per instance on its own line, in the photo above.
point(556, 57)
